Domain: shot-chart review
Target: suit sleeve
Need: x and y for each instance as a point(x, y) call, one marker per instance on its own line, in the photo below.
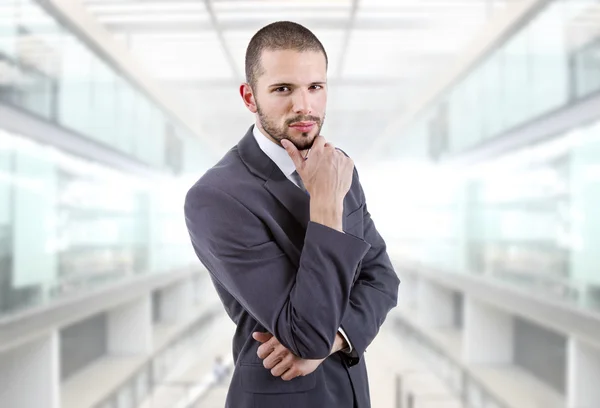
point(373, 295)
point(302, 307)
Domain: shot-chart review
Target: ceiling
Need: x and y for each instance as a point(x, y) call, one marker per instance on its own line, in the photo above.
point(381, 53)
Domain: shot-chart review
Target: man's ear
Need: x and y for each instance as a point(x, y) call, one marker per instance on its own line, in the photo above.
point(247, 95)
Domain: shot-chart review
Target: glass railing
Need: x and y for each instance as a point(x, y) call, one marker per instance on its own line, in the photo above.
point(530, 218)
point(552, 61)
point(48, 71)
point(67, 224)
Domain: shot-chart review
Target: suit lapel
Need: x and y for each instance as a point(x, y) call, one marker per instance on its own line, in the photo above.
point(293, 199)
point(277, 184)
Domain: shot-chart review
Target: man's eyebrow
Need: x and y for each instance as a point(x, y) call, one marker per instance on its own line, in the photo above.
point(280, 84)
point(290, 85)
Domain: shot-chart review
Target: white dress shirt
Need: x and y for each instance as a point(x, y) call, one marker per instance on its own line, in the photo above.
point(281, 158)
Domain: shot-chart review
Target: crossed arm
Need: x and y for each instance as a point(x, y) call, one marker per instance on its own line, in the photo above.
point(373, 295)
point(282, 362)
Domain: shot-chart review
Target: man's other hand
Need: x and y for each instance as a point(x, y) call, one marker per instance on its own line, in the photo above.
point(282, 362)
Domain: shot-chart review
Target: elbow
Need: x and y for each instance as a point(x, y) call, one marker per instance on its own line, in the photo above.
point(311, 344)
point(309, 335)
point(316, 352)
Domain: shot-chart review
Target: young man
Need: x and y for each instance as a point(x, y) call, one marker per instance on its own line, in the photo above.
point(282, 226)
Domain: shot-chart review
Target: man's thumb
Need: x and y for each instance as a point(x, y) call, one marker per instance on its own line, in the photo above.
point(293, 152)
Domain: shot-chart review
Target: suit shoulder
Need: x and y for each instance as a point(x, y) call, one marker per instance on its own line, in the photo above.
point(228, 175)
point(222, 171)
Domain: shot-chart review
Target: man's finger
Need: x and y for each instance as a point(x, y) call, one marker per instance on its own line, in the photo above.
point(293, 153)
point(283, 367)
point(275, 357)
point(318, 143)
point(264, 351)
point(290, 374)
point(271, 361)
point(267, 348)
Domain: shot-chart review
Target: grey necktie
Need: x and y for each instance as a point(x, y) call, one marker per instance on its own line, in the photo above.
point(298, 181)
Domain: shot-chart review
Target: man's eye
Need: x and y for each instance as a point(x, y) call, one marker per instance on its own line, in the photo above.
point(316, 87)
point(282, 89)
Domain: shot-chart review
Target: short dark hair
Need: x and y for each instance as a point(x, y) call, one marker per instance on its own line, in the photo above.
point(281, 35)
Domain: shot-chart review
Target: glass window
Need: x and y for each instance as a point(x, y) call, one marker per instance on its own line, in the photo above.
point(586, 68)
point(126, 114)
point(457, 109)
point(584, 188)
point(75, 95)
point(491, 96)
point(97, 209)
point(103, 102)
point(145, 134)
point(157, 146)
point(549, 63)
point(48, 71)
point(516, 79)
point(34, 220)
point(529, 218)
point(473, 103)
point(8, 28)
point(30, 59)
point(67, 224)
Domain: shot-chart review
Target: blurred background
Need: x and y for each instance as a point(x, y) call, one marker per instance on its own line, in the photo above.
point(475, 126)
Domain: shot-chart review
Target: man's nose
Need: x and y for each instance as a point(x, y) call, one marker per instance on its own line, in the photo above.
point(302, 102)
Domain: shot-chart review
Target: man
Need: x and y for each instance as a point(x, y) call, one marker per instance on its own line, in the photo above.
point(282, 226)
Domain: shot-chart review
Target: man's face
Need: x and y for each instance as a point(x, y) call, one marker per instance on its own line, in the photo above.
point(291, 95)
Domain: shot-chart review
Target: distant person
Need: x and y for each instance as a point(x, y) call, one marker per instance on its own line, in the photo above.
point(220, 370)
point(282, 226)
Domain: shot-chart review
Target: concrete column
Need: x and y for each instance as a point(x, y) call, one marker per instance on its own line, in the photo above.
point(30, 375)
point(488, 334)
point(130, 328)
point(435, 305)
point(583, 375)
point(176, 301)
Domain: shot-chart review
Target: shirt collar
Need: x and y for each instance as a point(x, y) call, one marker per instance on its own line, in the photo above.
point(275, 152)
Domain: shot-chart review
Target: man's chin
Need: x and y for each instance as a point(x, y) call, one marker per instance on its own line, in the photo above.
point(303, 141)
point(303, 144)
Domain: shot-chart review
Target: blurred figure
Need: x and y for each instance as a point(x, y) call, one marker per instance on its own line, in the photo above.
point(220, 370)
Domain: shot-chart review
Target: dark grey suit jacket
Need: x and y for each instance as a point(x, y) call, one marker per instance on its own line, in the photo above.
point(276, 271)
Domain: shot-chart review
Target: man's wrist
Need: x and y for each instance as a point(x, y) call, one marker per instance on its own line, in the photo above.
point(339, 343)
point(327, 213)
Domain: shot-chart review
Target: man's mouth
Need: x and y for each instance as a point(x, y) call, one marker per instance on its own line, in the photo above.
point(303, 126)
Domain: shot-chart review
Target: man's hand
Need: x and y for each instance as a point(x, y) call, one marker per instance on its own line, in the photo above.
point(327, 176)
point(282, 362)
point(326, 172)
